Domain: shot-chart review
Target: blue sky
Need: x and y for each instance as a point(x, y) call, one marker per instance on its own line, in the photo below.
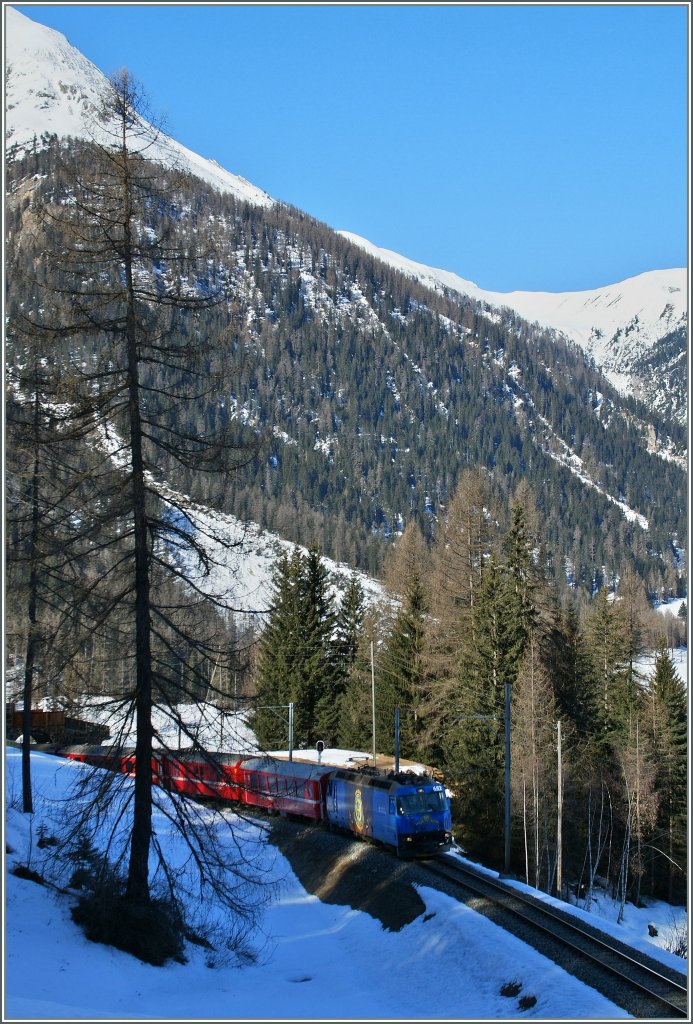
point(534, 147)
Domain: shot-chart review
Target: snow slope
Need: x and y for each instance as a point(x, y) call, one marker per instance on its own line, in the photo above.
point(614, 325)
point(51, 88)
point(317, 961)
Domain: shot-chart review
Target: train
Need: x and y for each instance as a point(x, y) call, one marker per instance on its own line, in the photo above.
point(403, 811)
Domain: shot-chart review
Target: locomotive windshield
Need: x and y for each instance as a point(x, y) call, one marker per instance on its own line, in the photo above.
point(416, 803)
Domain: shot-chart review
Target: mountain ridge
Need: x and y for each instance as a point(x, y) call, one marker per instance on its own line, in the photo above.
point(617, 325)
point(41, 64)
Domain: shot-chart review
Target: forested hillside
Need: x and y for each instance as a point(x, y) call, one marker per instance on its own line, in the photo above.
point(167, 344)
point(372, 393)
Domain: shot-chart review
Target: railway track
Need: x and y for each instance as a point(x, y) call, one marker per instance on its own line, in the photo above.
point(630, 979)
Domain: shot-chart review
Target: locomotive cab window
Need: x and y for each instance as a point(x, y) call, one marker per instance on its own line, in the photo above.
point(417, 803)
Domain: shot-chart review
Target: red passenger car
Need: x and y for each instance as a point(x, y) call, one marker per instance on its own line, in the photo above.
point(212, 775)
point(285, 787)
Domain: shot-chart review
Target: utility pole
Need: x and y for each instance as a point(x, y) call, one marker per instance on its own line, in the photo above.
point(559, 836)
point(507, 778)
point(373, 699)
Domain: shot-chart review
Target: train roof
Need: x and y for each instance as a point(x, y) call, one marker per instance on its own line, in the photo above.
point(209, 756)
point(105, 750)
point(386, 780)
point(295, 769)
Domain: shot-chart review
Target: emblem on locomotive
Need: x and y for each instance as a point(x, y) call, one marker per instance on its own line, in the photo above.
point(358, 811)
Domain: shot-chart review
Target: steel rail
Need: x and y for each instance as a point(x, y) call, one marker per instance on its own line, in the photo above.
point(490, 888)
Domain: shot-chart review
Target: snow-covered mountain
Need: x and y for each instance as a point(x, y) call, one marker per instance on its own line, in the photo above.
point(51, 88)
point(617, 326)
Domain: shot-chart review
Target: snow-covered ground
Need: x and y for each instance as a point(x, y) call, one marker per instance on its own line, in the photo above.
point(316, 961)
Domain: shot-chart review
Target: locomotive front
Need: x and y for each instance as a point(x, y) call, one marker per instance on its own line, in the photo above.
point(423, 819)
point(408, 812)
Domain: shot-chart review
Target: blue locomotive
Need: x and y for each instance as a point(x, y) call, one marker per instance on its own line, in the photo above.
point(408, 812)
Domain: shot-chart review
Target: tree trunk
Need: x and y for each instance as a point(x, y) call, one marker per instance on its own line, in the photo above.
point(33, 636)
point(138, 872)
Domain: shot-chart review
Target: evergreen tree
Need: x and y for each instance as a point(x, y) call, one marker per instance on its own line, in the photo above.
point(522, 582)
point(356, 719)
point(400, 673)
point(278, 679)
point(297, 663)
point(632, 608)
point(572, 672)
point(669, 736)
point(463, 546)
point(608, 646)
point(348, 635)
point(349, 623)
point(322, 680)
point(475, 748)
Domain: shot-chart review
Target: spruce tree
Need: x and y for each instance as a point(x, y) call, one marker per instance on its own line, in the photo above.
point(280, 653)
point(400, 672)
point(297, 663)
point(348, 634)
point(607, 646)
point(669, 732)
point(356, 717)
point(475, 748)
point(321, 682)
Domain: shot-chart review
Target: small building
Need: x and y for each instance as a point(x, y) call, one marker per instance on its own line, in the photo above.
point(53, 727)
